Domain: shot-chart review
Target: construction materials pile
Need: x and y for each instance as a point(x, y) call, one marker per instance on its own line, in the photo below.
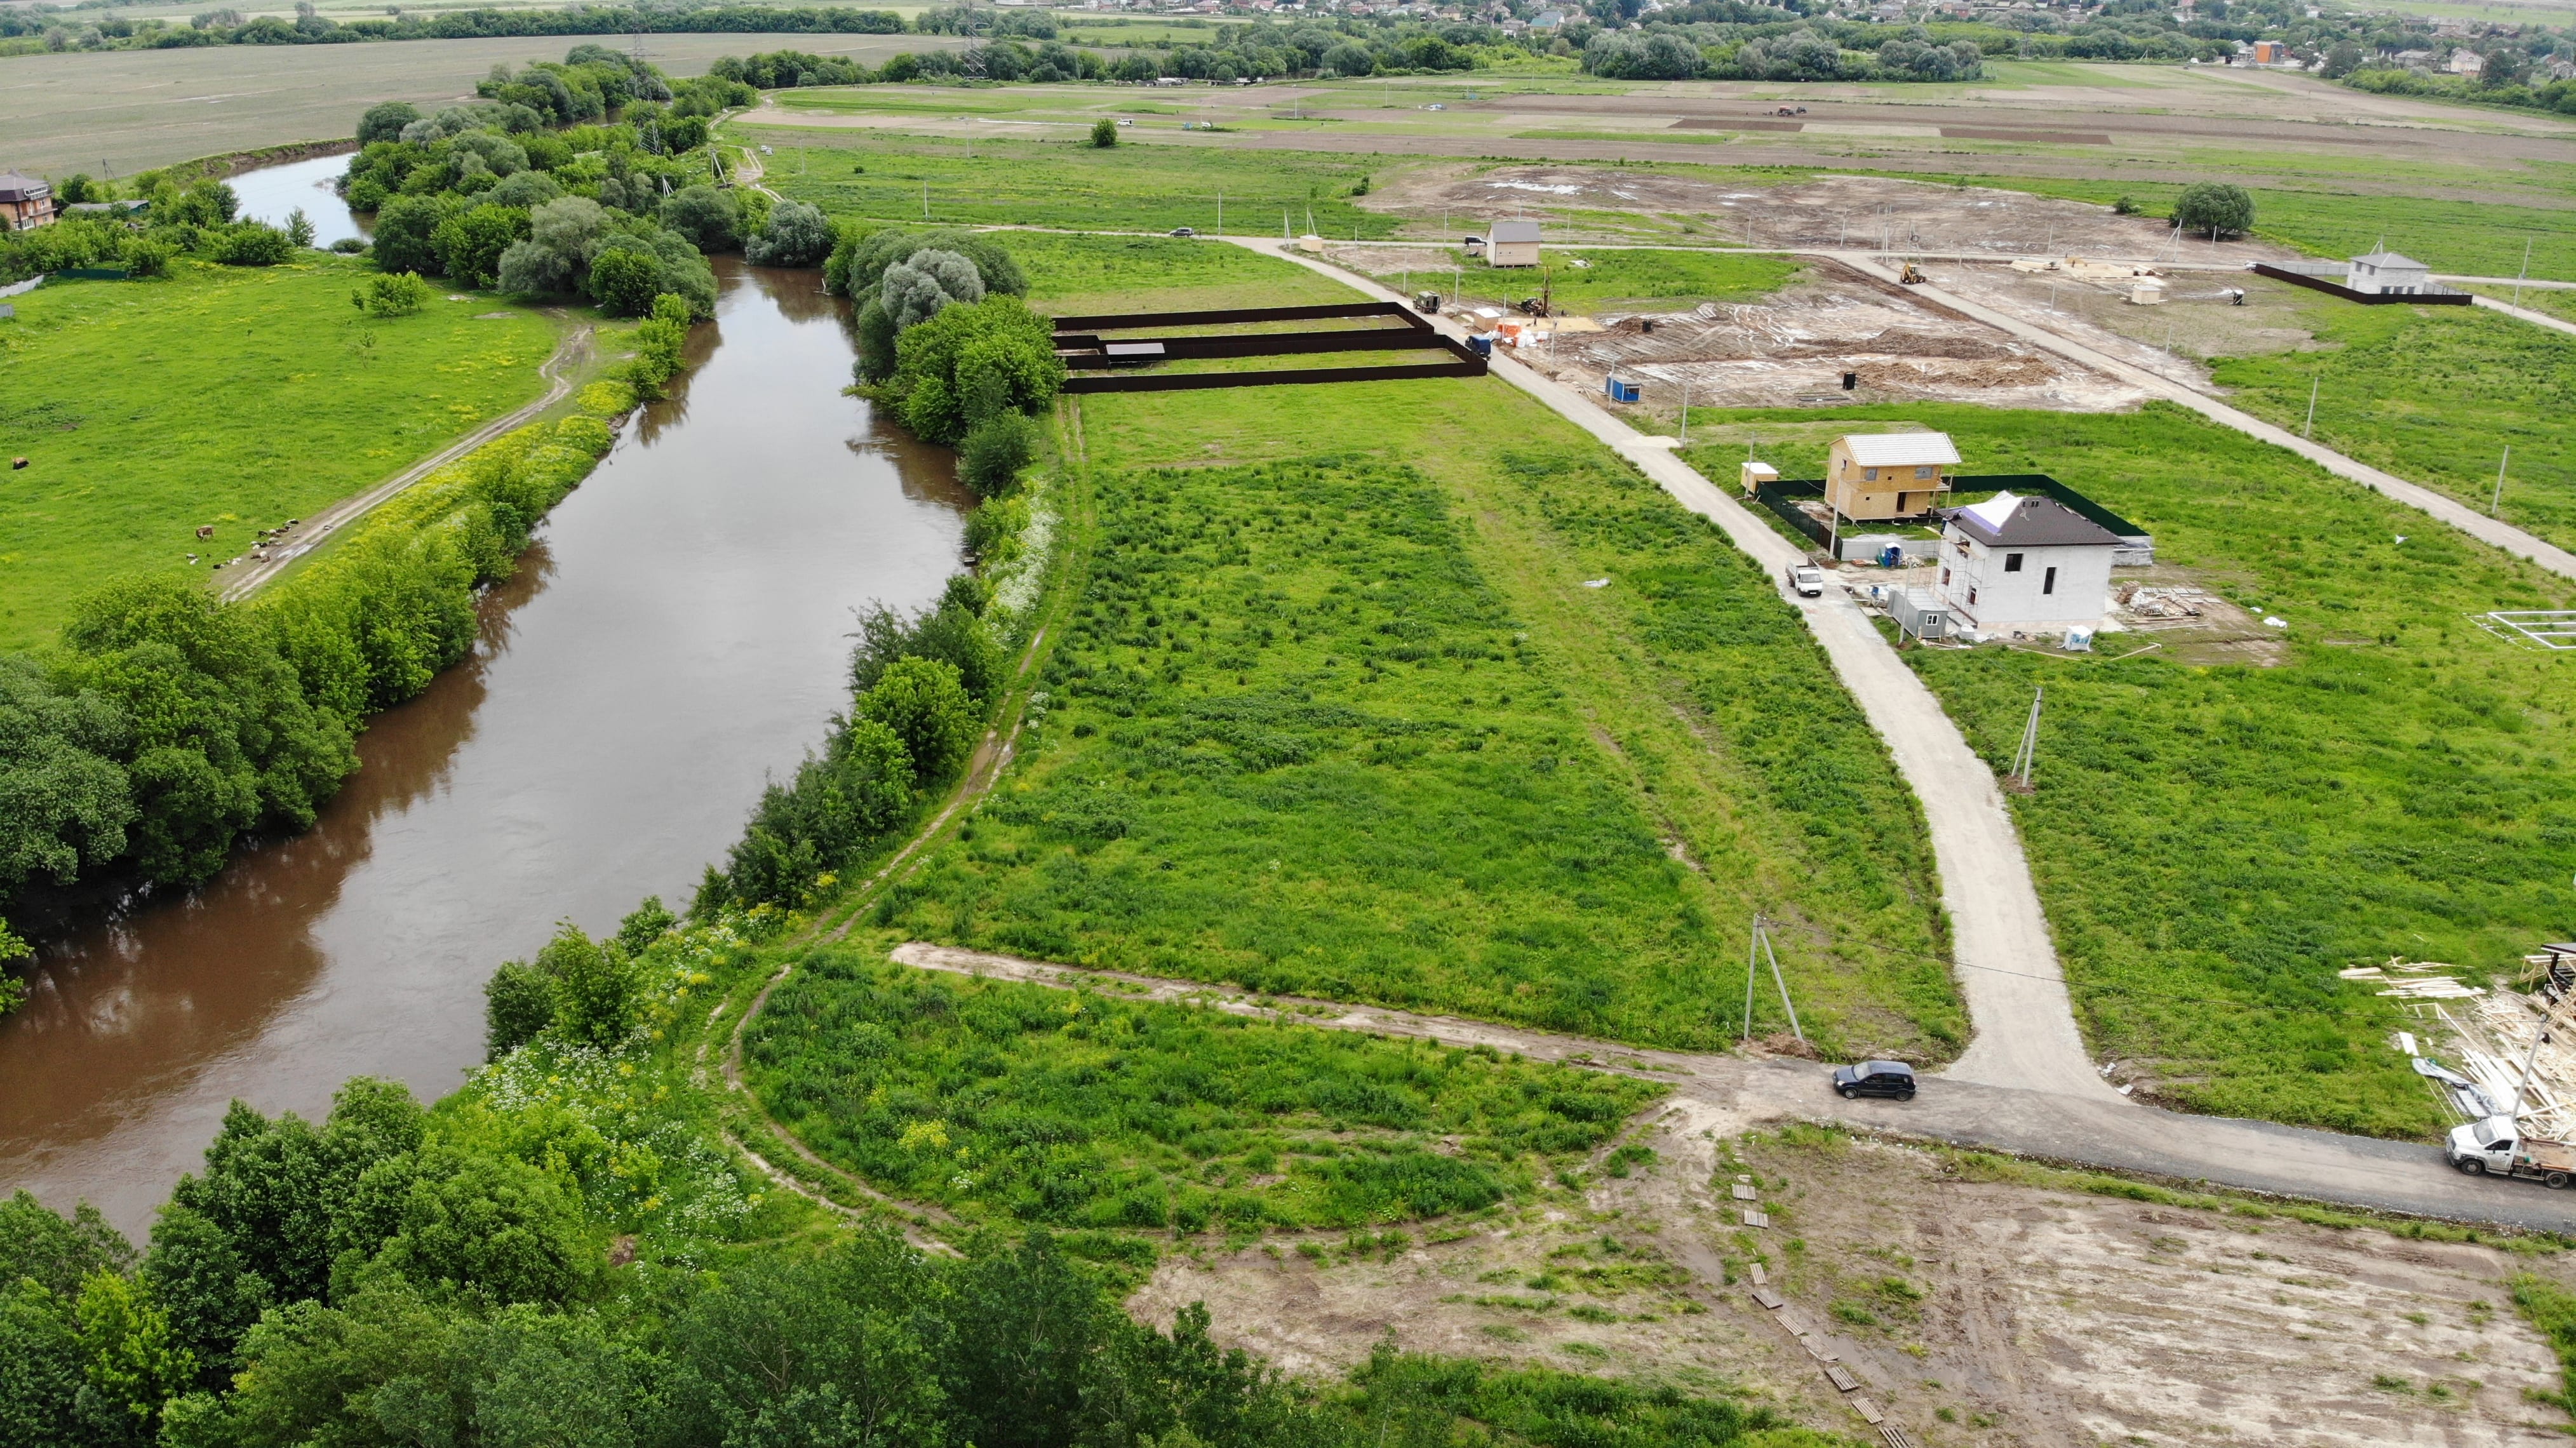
point(2491, 1036)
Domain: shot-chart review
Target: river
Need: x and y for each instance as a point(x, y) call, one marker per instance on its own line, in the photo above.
point(272, 193)
point(677, 634)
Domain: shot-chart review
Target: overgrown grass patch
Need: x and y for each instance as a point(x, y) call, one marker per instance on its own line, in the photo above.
point(2434, 395)
point(225, 396)
point(2213, 843)
point(1070, 183)
point(1636, 279)
point(1314, 731)
point(1076, 1108)
point(1075, 275)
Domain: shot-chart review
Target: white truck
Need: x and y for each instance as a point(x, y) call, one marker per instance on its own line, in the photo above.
point(2497, 1147)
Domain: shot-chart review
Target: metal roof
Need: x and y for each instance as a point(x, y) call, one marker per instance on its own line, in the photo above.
point(1509, 231)
point(17, 187)
point(2391, 261)
point(1900, 449)
point(2005, 521)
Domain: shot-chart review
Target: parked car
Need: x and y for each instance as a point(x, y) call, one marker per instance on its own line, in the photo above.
point(1807, 579)
point(1875, 1078)
point(1184, 231)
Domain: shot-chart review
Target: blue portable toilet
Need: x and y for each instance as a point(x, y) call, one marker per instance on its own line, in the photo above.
point(1622, 391)
point(1891, 556)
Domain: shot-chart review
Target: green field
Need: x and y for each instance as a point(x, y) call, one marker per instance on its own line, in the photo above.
point(1073, 275)
point(231, 397)
point(1067, 183)
point(2213, 843)
point(1609, 278)
point(2434, 395)
point(1077, 1109)
point(1350, 724)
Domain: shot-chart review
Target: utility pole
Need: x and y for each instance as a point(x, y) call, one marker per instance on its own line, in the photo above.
point(2525, 272)
point(1752, 956)
point(1783, 983)
point(2309, 430)
point(925, 201)
point(2498, 501)
point(1684, 440)
point(2026, 757)
point(1220, 213)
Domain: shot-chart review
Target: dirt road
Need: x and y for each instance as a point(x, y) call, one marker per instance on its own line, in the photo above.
point(266, 563)
point(2091, 1128)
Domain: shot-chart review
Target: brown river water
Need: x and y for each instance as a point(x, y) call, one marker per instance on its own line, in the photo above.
point(677, 634)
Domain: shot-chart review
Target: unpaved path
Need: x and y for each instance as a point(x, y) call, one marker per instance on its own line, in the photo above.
point(2097, 1128)
point(2007, 963)
point(265, 564)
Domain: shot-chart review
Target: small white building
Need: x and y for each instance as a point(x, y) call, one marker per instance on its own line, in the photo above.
point(2025, 563)
point(2387, 273)
point(1513, 243)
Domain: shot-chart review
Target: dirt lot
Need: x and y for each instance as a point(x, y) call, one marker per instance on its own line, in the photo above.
point(2198, 321)
point(1973, 1312)
point(1787, 350)
point(1872, 212)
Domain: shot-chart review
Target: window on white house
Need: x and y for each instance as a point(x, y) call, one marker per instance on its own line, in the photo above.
point(2012, 563)
point(2048, 581)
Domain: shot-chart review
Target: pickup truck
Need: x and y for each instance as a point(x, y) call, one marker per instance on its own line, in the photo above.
point(1807, 579)
point(2497, 1147)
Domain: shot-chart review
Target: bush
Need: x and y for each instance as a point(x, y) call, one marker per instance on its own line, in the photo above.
point(860, 790)
point(251, 243)
point(145, 258)
point(924, 703)
point(396, 294)
point(994, 452)
point(710, 219)
point(1660, 56)
point(970, 362)
point(1104, 133)
point(2214, 207)
point(876, 342)
point(916, 288)
point(385, 122)
point(1351, 59)
point(471, 243)
point(518, 1004)
point(797, 235)
point(406, 228)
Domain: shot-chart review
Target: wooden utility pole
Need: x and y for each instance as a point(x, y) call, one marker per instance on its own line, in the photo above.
point(2026, 758)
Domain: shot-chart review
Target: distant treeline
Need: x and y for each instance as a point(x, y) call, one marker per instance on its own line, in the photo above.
point(228, 27)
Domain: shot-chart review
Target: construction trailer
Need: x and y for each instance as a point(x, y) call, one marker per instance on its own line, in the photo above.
point(1513, 243)
point(1882, 475)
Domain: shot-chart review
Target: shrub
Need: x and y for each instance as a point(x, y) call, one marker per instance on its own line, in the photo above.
point(994, 452)
point(385, 122)
point(395, 294)
point(145, 257)
point(710, 219)
point(857, 792)
point(518, 1004)
point(1104, 133)
point(924, 703)
point(970, 362)
point(251, 243)
point(916, 288)
point(797, 235)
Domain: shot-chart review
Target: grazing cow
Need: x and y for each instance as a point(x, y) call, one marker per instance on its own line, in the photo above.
point(207, 531)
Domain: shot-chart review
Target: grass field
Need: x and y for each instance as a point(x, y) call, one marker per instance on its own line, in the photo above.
point(236, 397)
point(1082, 1110)
point(1067, 183)
point(1615, 278)
point(2212, 844)
point(2434, 395)
point(1074, 275)
point(1352, 725)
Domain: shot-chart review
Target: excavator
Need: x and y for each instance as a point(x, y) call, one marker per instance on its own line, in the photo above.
point(1912, 276)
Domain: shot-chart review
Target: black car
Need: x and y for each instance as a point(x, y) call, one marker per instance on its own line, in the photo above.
point(1875, 1078)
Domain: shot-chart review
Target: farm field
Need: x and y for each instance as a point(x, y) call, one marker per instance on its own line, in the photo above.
point(2434, 395)
point(2213, 842)
point(1288, 663)
point(232, 397)
point(128, 110)
point(1004, 1100)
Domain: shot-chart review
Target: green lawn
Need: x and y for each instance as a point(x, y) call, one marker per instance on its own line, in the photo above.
point(1074, 275)
point(1085, 1110)
point(1067, 183)
point(2434, 395)
point(2212, 844)
point(1349, 723)
point(235, 397)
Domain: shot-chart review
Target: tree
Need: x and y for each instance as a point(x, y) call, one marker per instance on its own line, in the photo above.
point(65, 801)
point(1137, 69)
point(797, 235)
point(406, 228)
point(1104, 133)
point(58, 1253)
point(876, 341)
point(709, 218)
point(470, 244)
point(2342, 59)
point(924, 703)
point(624, 277)
point(299, 228)
point(994, 452)
point(1349, 58)
point(494, 1227)
point(519, 1002)
point(385, 122)
point(916, 288)
point(130, 1365)
point(597, 997)
point(251, 243)
point(398, 294)
point(859, 789)
point(2214, 207)
point(995, 353)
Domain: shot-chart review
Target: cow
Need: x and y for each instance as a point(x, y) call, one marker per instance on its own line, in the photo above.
point(206, 532)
